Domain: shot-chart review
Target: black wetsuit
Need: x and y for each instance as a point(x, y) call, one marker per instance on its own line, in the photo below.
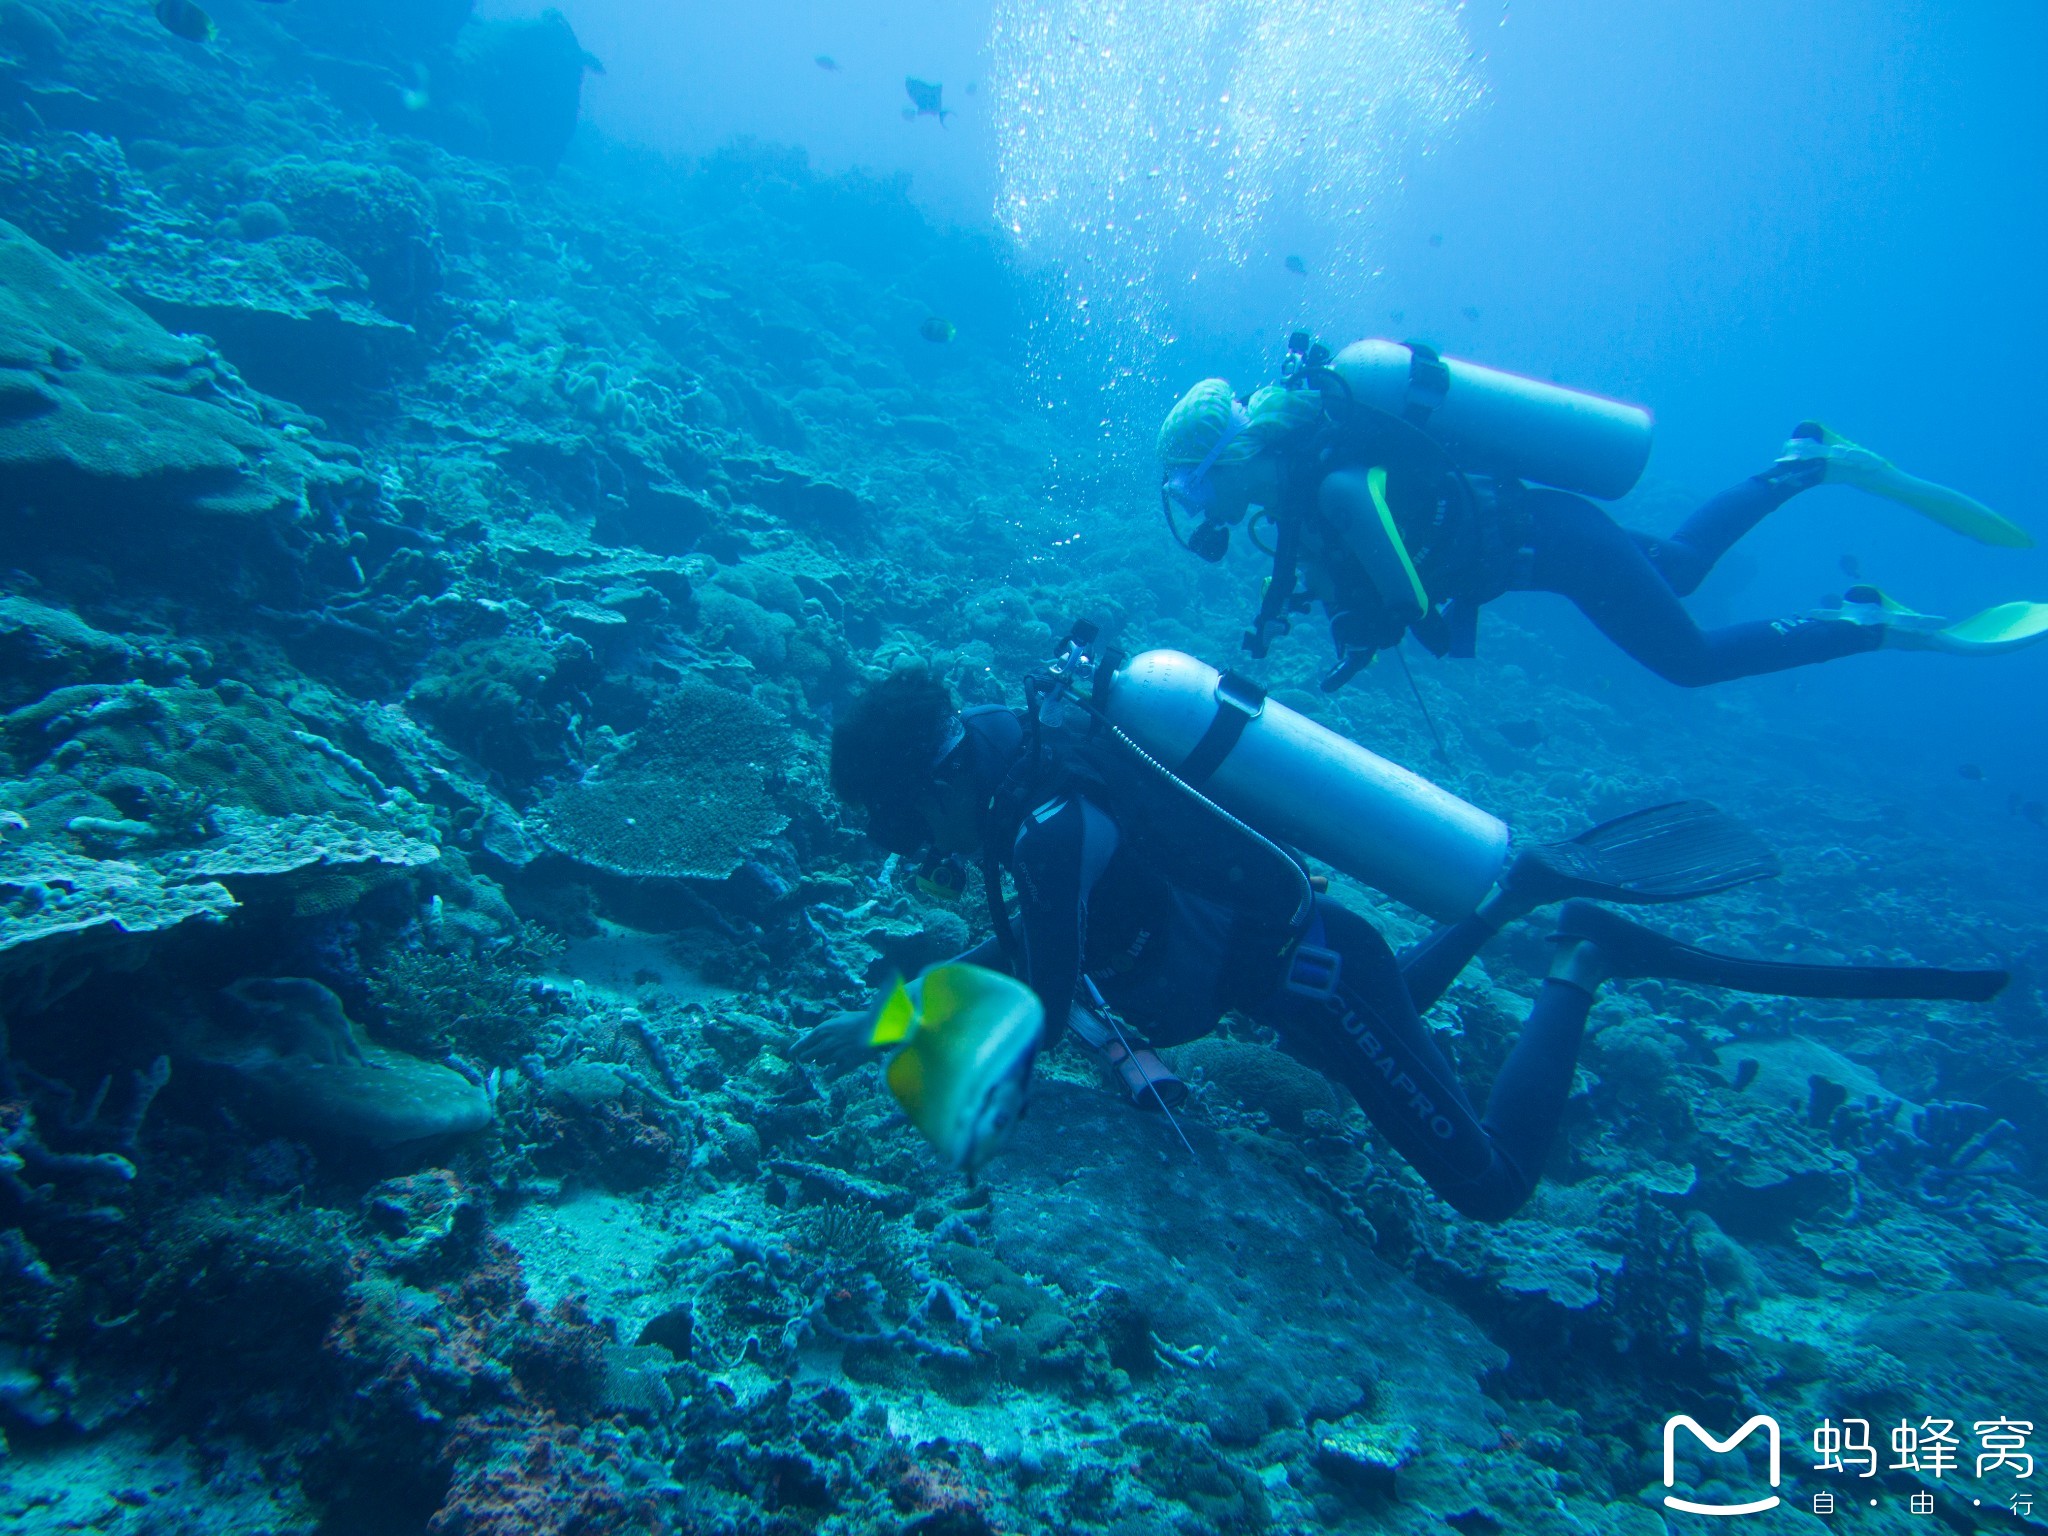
point(1474, 539)
point(1122, 879)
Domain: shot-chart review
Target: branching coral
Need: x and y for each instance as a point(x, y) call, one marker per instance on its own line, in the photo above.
point(45, 1180)
point(488, 1002)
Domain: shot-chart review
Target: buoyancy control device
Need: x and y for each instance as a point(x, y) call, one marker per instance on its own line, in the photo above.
point(1286, 778)
point(1499, 423)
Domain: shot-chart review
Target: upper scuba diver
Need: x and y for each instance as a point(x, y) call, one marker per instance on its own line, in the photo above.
point(1406, 490)
point(1145, 908)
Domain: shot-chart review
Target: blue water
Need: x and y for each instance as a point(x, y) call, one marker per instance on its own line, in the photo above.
point(458, 465)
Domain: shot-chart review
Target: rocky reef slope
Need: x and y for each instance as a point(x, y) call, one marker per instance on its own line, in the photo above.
point(430, 574)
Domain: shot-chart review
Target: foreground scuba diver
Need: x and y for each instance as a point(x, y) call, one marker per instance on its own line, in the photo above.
point(1145, 906)
point(1394, 481)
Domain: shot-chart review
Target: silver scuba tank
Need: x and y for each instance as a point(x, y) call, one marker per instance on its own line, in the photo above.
point(1303, 784)
point(1501, 423)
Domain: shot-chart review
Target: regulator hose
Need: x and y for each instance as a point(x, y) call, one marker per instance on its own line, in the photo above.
point(1252, 834)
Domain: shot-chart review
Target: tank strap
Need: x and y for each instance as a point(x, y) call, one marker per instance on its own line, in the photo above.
point(1239, 702)
point(1428, 382)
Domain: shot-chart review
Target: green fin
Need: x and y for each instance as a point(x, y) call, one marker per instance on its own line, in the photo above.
point(2004, 628)
point(1872, 606)
point(1850, 464)
point(1953, 510)
point(895, 1016)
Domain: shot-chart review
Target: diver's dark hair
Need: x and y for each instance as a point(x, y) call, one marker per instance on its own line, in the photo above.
point(882, 748)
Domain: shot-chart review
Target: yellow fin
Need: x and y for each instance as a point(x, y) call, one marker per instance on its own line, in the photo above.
point(895, 1018)
point(905, 1077)
point(948, 989)
point(1955, 511)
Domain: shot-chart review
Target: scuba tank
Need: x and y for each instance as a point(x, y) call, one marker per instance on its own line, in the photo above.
point(1494, 422)
point(1304, 785)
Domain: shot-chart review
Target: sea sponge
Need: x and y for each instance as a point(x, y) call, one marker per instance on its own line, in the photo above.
point(311, 1068)
point(689, 799)
point(517, 84)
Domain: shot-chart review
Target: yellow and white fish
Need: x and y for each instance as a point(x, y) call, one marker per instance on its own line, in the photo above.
point(962, 1041)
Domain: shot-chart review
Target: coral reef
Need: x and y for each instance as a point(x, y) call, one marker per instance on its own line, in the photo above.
point(438, 545)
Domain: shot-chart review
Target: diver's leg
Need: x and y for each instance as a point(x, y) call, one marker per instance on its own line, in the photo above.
point(1366, 1033)
point(1583, 554)
point(1684, 558)
point(1432, 963)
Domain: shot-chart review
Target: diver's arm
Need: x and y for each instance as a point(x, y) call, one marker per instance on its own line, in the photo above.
point(841, 1043)
point(1061, 851)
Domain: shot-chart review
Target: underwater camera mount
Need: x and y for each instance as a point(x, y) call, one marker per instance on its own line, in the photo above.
point(1078, 672)
point(1305, 356)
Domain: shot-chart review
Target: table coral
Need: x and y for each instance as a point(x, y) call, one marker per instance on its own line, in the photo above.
point(689, 799)
point(399, 733)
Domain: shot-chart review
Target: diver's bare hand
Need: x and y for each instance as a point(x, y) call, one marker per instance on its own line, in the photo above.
point(838, 1045)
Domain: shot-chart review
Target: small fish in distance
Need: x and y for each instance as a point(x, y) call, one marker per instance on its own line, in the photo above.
point(183, 19)
point(924, 101)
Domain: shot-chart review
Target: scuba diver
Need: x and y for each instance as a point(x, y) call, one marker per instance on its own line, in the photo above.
point(1151, 899)
point(1407, 490)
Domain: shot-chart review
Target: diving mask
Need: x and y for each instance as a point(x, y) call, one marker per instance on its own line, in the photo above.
point(1194, 491)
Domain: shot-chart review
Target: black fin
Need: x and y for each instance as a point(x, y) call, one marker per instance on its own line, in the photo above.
point(1666, 853)
point(1633, 950)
